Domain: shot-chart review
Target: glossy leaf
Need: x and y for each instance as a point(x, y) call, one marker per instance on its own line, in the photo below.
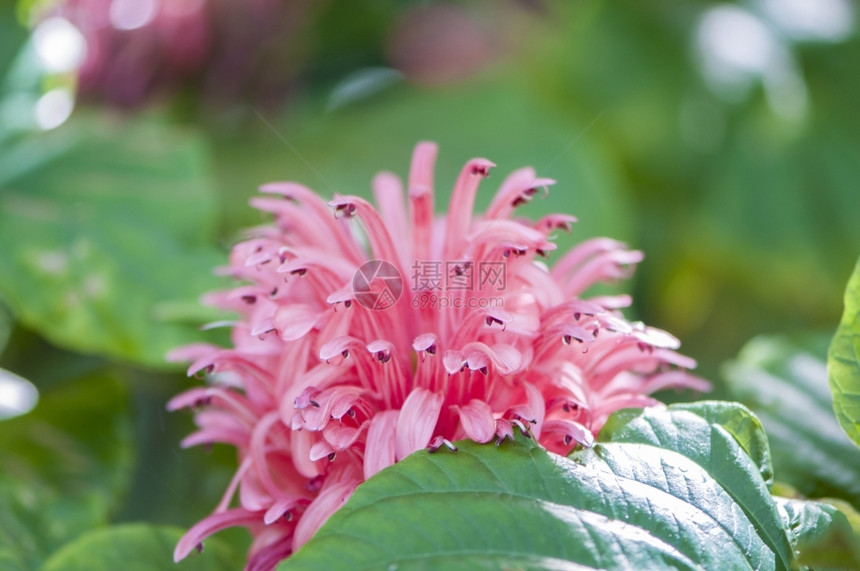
point(107, 228)
point(648, 495)
point(686, 430)
point(137, 547)
point(843, 362)
point(784, 381)
point(825, 534)
point(65, 466)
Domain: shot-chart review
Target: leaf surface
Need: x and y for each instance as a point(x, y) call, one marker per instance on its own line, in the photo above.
point(661, 489)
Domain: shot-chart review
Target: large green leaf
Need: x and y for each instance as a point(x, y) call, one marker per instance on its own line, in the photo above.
point(784, 381)
point(825, 534)
point(662, 489)
point(65, 466)
point(843, 361)
point(107, 229)
point(137, 547)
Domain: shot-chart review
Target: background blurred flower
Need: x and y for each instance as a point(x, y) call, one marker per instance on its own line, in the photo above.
point(223, 49)
point(325, 389)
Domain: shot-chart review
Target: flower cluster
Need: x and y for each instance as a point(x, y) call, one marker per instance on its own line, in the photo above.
point(137, 50)
point(319, 391)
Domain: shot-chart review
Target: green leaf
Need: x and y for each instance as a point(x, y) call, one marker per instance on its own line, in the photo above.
point(640, 499)
point(824, 534)
point(687, 430)
point(108, 228)
point(725, 439)
point(843, 361)
point(138, 547)
point(784, 381)
point(65, 466)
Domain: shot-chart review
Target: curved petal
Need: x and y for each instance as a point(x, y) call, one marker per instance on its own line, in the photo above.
point(416, 422)
point(214, 523)
point(333, 495)
point(295, 320)
point(379, 450)
point(476, 416)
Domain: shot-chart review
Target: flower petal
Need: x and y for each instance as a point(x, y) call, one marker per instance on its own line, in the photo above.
point(379, 450)
point(416, 422)
point(296, 320)
point(333, 495)
point(214, 523)
point(476, 416)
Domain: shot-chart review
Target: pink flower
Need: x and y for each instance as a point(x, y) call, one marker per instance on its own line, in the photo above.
point(322, 388)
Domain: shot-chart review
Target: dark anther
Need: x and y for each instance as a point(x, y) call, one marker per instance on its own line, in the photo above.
point(431, 350)
point(437, 443)
point(331, 457)
point(521, 426)
point(526, 196)
point(566, 339)
point(347, 303)
point(288, 516)
point(459, 270)
point(542, 253)
point(383, 356)
point(481, 170)
point(274, 292)
point(567, 439)
point(351, 413)
point(208, 369)
point(314, 404)
point(249, 299)
point(314, 484)
point(345, 353)
point(484, 370)
point(299, 272)
point(199, 547)
point(347, 210)
point(577, 315)
point(490, 320)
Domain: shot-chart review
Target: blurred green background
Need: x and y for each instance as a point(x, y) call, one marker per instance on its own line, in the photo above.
point(722, 139)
